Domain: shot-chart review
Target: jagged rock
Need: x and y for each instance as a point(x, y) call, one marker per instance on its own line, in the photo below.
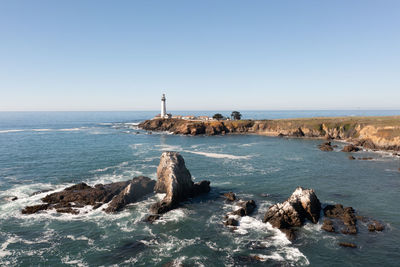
point(326, 146)
point(352, 158)
point(34, 209)
point(175, 180)
point(346, 215)
point(132, 192)
point(248, 206)
point(350, 148)
point(375, 226)
point(302, 204)
point(328, 226)
point(231, 222)
point(347, 245)
point(230, 196)
point(81, 194)
point(153, 217)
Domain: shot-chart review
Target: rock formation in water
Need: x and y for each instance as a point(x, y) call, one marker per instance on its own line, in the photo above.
point(117, 194)
point(230, 196)
point(345, 215)
point(327, 146)
point(301, 205)
point(350, 148)
point(175, 180)
point(246, 208)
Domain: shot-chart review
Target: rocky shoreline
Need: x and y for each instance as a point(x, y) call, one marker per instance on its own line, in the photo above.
point(175, 180)
point(373, 133)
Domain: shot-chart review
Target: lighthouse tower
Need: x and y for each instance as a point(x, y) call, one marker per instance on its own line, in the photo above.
point(163, 107)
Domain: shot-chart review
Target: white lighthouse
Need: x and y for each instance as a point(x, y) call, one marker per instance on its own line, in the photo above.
point(163, 107)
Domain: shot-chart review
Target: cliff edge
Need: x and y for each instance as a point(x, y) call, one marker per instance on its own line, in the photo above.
point(381, 133)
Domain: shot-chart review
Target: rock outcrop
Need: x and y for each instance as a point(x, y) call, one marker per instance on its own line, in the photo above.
point(230, 196)
point(246, 208)
point(301, 205)
point(345, 215)
point(375, 226)
point(120, 194)
point(175, 180)
point(327, 146)
point(350, 148)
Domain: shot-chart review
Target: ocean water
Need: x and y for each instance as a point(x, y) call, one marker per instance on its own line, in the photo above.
point(53, 150)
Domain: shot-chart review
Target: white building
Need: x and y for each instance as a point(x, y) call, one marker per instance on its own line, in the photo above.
point(163, 113)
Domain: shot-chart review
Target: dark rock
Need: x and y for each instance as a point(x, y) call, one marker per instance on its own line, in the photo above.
point(346, 215)
point(153, 217)
point(34, 209)
point(81, 194)
point(248, 206)
point(199, 188)
point(231, 222)
point(352, 158)
point(368, 144)
point(290, 233)
point(14, 198)
point(350, 148)
point(241, 212)
point(230, 196)
point(175, 180)
point(366, 158)
point(67, 210)
point(347, 245)
point(97, 205)
point(328, 226)
point(375, 226)
point(302, 204)
point(326, 146)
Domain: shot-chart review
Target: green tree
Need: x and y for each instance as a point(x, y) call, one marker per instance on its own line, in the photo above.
point(236, 115)
point(218, 116)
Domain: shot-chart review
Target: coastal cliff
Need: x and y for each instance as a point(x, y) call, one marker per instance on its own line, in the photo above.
point(381, 133)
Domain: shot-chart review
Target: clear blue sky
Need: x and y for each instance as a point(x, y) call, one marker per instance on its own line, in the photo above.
point(205, 55)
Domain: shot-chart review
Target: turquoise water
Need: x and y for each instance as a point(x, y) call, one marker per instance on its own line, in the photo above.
point(50, 151)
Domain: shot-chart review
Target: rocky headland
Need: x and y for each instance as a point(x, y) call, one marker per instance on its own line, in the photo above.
point(376, 133)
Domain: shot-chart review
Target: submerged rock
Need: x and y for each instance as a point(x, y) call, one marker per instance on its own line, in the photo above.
point(347, 245)
point(302, 204)
point(120, 194)
point(326, 146)
point(375, 226)
point(175, 180)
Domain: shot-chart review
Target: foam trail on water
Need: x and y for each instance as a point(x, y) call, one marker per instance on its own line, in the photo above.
point(11, 131)
point(217, 155)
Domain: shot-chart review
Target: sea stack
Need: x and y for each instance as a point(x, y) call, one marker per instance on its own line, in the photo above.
point(174, 179)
